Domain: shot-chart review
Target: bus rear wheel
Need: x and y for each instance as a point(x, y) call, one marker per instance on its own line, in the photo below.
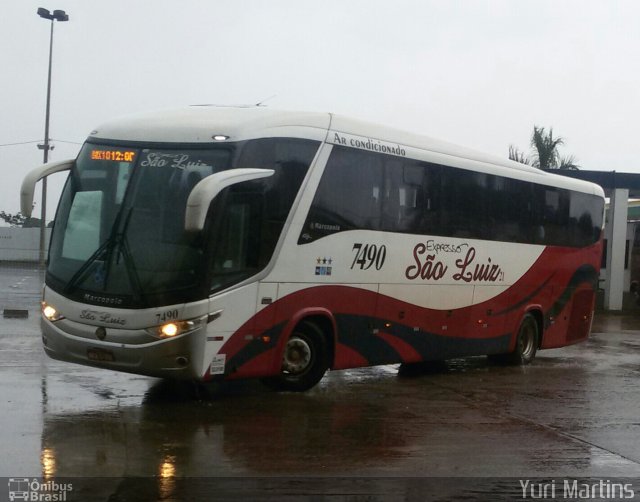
point(526, 347)
point(526, 342)
point(304, 360)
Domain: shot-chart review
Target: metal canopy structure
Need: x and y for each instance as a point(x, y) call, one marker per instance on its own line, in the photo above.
point(619, 187)
point(608, 180)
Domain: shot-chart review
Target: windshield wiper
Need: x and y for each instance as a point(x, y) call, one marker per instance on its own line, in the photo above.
point(121, 247)
point(81, 273)
point(104, 252)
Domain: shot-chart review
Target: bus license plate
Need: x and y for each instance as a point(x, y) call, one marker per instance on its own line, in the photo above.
point(100, 355)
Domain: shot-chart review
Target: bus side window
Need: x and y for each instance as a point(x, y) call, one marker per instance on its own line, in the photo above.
point(463, 208)
point(583, 211)
point(350, 194)
point(515, 212)
point(551, 216)
point(236, 240)
point(290, 159)
point(395, 197)
point(422, 184)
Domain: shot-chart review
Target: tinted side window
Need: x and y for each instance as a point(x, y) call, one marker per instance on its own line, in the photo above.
point(509, 208)
point(349, 195)
point(369, 191)
point(290, 159)
point(464, 204)
point(410, 196)
point(421, 185)
point(585, 213)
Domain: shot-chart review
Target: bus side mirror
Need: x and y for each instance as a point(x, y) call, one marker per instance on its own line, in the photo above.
point(206, 190)
point(35, 175)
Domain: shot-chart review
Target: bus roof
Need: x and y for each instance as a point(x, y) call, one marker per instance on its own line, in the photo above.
point(199, 124)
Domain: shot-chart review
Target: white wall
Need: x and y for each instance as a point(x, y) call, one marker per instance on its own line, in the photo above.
point(21, 244)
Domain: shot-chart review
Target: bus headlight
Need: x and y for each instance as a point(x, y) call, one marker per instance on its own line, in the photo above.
point(50, 312)
point(170, 329)
point(174, 328)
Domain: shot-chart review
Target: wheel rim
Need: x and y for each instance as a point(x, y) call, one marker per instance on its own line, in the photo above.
point(528, 341)
point(297, 356)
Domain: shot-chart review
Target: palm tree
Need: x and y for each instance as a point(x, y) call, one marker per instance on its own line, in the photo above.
point(546, 148)
point(546, 155)
point(518, 156)
point(568, 163)
point(545, 152)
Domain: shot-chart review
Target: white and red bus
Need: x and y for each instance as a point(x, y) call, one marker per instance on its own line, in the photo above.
point(210, 243)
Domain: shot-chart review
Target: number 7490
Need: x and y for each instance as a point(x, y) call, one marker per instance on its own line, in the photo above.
point(366, 256)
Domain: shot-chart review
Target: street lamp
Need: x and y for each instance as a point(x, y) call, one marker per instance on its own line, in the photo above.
point(57, 15)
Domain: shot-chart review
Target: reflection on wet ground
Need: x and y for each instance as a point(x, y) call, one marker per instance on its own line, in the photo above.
point(573, 413)
point(616, 323)
point(541, 419)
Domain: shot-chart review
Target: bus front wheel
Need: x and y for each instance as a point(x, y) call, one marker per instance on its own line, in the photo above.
point(304, 360)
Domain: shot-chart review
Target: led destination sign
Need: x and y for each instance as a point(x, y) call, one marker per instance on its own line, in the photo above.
point(113, 155)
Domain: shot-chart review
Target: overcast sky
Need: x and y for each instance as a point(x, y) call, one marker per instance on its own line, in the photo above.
point(479, 73)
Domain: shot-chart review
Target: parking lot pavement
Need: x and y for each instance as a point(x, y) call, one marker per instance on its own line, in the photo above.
point(20, 286)
point(572, 414)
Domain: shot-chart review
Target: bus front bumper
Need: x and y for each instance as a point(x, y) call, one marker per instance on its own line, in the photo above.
point(168, 358)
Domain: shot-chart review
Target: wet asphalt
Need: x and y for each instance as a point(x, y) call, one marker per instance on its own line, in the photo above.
point(463, 431)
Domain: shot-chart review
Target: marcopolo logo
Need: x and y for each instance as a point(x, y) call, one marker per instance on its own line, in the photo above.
point(37, 490)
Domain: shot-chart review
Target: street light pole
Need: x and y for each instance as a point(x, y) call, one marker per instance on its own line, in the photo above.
point(60, 16)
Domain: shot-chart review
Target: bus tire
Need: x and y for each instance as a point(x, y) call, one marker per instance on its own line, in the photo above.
point(305, 360)
point(526, 342)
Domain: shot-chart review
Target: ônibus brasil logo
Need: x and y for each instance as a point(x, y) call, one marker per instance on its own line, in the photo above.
point(36, 490)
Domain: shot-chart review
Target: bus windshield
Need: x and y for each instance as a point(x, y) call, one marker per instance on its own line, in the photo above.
point(119, 236)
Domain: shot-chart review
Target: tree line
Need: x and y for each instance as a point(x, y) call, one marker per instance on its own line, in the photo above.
point(20, 220)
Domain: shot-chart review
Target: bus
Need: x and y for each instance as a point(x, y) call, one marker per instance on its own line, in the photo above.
point(215, 243)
